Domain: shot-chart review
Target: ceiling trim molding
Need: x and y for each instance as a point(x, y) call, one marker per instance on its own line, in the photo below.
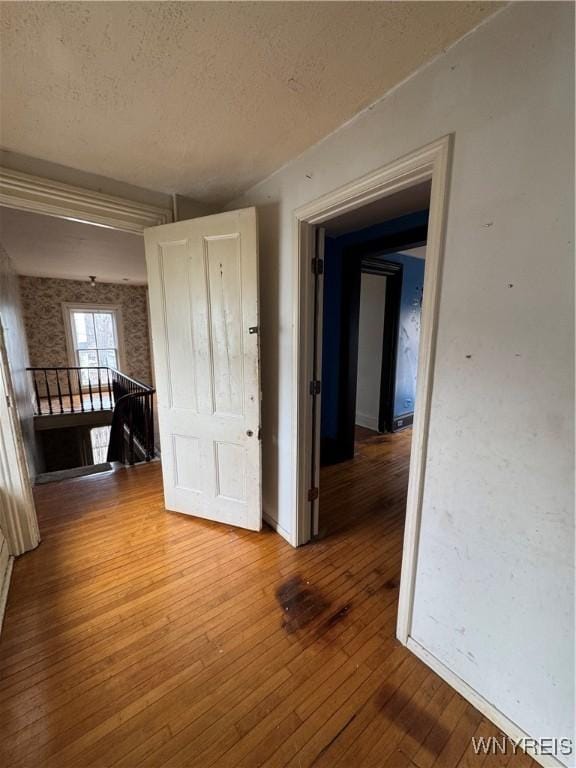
point(53, 198)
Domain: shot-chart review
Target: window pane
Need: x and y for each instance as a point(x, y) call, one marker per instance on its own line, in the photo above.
point(89, 376)
point(87, 357)
point(108, 358)
point(100, 437)
point(84, 329)
point(104, 325)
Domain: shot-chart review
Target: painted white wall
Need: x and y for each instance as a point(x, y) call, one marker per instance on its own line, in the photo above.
point(12, 318)
point(370, 330)
point(493, 598)
point(17, 513)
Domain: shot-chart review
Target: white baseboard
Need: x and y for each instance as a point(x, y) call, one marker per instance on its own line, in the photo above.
point(4, 589)
point(493, 714)
point(365, 420)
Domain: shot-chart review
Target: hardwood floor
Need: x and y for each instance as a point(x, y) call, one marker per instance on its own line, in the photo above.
point(76, 403)
point(372, 486)
point(134, 637)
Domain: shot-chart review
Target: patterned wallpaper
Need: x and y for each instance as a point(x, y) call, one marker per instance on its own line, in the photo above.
point(42, 300)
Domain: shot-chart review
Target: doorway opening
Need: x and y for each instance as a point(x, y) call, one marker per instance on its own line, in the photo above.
point(200, 310)
point(383, 225)
point(373, 279)
point(86, 357)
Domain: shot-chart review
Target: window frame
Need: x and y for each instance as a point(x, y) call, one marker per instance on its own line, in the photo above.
point(69, 307)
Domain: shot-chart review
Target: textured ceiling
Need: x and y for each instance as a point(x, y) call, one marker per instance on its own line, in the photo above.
point(203, 98)
point(44, 246)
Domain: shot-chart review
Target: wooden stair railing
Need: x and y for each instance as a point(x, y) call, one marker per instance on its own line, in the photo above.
point(73, 389)
point(132, 430)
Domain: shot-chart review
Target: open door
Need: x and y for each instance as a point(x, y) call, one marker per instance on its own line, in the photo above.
point(203, 284)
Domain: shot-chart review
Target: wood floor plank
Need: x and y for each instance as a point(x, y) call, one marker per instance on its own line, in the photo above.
point(134, 637)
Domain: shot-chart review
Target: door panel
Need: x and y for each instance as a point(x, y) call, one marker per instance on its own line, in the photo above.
point(225, 312)
point(203, 283)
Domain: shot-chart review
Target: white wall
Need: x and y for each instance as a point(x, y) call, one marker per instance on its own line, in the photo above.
point(12, 318)
point(493, 597)
point(17, 514)
point(370, 330)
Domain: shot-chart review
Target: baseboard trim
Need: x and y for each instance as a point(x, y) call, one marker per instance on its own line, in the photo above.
point(5, 588)
point(275, 525)
point(401, 422)
point(366, 421)
point(493, 714)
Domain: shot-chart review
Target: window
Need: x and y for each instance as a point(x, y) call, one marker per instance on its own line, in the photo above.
point(93, 337)
point(99, 438)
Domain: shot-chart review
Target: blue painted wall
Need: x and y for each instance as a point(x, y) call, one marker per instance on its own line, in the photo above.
point(408, 332)
point(409, 328)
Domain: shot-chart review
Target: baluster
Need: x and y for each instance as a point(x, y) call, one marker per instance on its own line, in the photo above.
point(131, 433)
point(146, 404)
point(151, 417)
point(59, 390)
point(109, 386)
point(48, 391)
point(139, 405)
point(90, 389)
point(80, 393)
point(37, 394)
point(100, 390)
point(71, 398)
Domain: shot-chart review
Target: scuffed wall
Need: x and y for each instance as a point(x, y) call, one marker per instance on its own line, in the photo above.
point(15, 338)
point(494, 588)
point(42, 300)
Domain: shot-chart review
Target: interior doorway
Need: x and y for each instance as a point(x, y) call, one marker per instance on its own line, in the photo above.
point(359, 205)
point(373, 279)
point(202, 314)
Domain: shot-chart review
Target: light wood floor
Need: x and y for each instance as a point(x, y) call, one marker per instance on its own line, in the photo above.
point(76, 403)
point(138, 638)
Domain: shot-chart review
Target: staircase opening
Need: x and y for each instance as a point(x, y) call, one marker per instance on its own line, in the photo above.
point(91, 416)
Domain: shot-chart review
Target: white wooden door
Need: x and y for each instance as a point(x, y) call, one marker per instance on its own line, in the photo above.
point(203, 286)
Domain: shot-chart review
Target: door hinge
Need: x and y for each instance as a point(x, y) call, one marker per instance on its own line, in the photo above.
point(8, 401)
point(317, 266)
point(312, 494)
point(315, 387)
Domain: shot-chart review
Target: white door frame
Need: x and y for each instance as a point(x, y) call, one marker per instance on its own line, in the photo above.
point(17, 511)
point(25, 192)
point(431, 162)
